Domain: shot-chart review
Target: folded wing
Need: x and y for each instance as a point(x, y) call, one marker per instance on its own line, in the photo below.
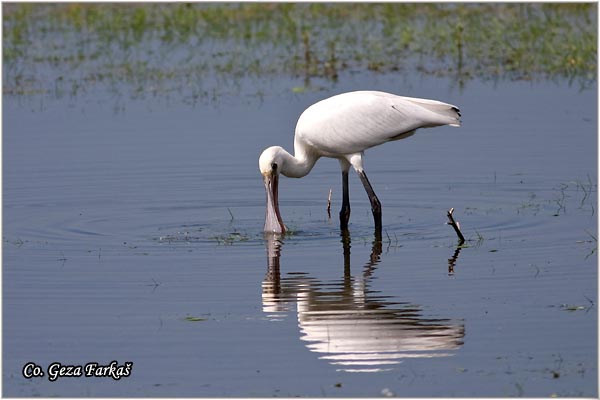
point(355, 121)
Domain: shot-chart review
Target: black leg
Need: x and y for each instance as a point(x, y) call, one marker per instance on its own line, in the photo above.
point(345, 211)
point(375, 204)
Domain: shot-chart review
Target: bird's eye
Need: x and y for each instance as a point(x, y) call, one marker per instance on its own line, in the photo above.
point(274, 166)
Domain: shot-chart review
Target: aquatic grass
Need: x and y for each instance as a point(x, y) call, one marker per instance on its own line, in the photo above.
point(594, 240)
point(202, 48)
point(231, 238)
point(190, 318)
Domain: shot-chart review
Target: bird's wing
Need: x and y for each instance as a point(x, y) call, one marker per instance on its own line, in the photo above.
point(355, 121)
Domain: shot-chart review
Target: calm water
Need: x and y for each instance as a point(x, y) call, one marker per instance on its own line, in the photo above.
point(136, 237)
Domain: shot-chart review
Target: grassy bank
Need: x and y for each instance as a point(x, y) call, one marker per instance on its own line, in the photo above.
point(69, 47)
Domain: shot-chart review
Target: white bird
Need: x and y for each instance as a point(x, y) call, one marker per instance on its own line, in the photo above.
point(343, 127)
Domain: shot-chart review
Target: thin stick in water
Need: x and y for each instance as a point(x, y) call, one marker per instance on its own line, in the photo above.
point(455, 225)
point(329, 204)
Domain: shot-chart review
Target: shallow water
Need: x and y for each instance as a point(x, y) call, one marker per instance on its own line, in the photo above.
point(136, 236)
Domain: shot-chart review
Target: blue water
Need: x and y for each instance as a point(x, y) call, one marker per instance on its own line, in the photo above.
point(133, 233)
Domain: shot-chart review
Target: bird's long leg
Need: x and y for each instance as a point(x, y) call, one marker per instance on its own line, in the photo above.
point(345, 211)
point(375, 203)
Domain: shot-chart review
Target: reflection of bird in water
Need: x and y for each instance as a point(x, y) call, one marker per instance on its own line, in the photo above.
point(349, 324)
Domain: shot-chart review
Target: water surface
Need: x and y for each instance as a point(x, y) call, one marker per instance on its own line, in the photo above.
point(136, 236)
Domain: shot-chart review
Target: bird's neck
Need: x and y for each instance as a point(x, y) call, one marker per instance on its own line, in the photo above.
point(300, 164)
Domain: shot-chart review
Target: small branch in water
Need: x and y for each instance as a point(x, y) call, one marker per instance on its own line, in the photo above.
point(455, 225)
point(329, 204)
point(154, 285)
point(62, 258)
point(592, 304)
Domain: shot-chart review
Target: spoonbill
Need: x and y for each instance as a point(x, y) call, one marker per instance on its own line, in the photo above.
point(343, 127)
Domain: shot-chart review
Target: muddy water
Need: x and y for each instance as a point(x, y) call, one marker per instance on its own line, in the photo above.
point(136, 237)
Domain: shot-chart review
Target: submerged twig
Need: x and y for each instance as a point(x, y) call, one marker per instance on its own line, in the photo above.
point(62, 258)
point(154, 285)
point(455, 225)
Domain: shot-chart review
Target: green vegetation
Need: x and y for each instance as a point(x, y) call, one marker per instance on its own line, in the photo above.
point(231, 238)
point(204, 50)
point(195, 319)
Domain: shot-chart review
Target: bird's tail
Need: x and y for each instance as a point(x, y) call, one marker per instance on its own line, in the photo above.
point(447, 113)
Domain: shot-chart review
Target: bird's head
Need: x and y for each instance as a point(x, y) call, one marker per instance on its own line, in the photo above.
point(270, 164)
point(271, 161)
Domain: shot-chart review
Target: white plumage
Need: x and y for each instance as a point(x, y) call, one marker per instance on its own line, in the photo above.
point(342, 127)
